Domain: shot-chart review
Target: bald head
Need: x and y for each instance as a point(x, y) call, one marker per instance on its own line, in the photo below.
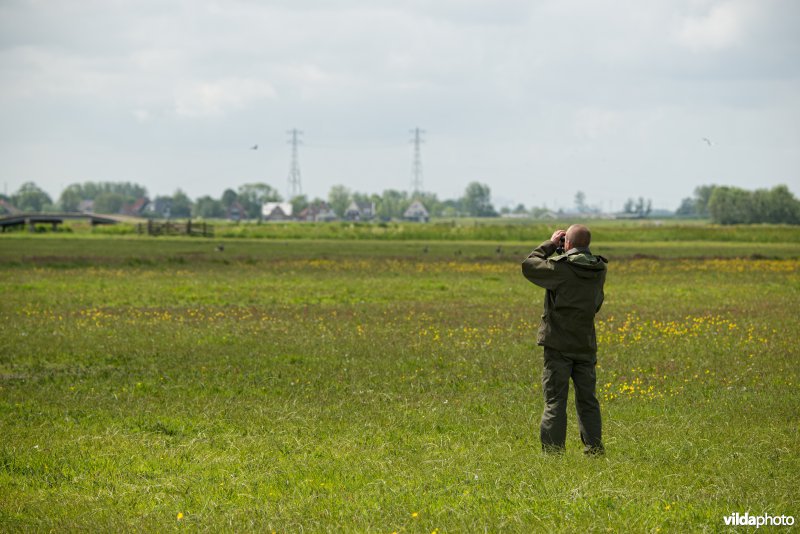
point(578, 236)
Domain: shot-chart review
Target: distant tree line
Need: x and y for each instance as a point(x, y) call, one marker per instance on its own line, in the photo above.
point(246, 201)
point(721, 204)
point(733, 205)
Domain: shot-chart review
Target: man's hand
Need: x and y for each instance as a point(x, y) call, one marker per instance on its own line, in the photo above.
point(558, 235)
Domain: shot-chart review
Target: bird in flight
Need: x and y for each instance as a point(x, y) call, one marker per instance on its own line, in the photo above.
point(254, 147)
point(707, 140)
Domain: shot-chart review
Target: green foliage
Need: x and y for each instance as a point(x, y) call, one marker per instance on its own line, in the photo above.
point(229, 196)
point(108, 202)
point(70, 198)
point(207, 207)
point(702, 196)
point(253, 196)
point(339, 199)
point(299, 203)
point(181, 205)
point(687, 208)
point(393, 204)
point(31, 198)
point(431, 202)
point(640, 208)
point(732, 205)
point(477, 201)
point(109, 197)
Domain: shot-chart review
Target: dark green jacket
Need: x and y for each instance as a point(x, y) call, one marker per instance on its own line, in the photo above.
point(574, 283)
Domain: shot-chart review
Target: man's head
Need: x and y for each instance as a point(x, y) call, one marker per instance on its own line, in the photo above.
point(578, 236)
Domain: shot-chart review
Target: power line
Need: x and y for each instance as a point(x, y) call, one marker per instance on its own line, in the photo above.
point(295, 188)
point(416, 168)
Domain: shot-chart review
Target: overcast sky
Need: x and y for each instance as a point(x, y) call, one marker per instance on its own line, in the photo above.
point(537, 99)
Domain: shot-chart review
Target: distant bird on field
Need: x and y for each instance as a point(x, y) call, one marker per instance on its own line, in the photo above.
point(499, 250)
point(707, 140)
point(220, 247)
point(425, 250)
point(254, 147)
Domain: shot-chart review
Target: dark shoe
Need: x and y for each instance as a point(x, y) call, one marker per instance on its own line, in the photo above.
point(553, 449)
point(596, 450)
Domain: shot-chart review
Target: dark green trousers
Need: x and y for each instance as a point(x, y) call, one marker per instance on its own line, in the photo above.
point(559, 367)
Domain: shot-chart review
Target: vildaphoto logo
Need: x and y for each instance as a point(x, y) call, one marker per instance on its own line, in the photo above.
point(746, 520)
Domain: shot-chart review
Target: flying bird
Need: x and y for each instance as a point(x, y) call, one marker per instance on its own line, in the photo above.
point(707, 140)
point(254, 147)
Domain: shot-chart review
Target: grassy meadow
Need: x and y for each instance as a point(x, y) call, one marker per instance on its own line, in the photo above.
point(300, 385)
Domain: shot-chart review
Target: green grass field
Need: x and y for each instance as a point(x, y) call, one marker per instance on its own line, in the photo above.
point(380, 386)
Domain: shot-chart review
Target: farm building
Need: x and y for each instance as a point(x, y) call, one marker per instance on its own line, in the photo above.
point(86, 206)
point(277, 211)
point(136, 209)
point(416, 212)
point(235, 211)
point(321, 212)
point(6, 208)
point(360, 211)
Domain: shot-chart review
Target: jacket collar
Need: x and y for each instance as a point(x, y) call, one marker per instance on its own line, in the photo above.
point(578, 250)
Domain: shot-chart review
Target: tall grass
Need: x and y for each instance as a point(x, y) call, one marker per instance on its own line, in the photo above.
point(161, 384)
point(493, 230)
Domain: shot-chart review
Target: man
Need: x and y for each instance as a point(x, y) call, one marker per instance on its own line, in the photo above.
point(574, 282)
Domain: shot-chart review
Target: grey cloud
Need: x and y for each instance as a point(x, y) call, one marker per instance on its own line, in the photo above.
point(527, 91)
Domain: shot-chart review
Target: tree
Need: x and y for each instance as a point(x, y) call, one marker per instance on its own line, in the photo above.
point(451, 208)
point(181, 205)
point(702, 195)
point(71, 198)
point(640, 208)
point(686, 209)
point(580, 202)
point(393, 204)
point(162, 207)
point(109, 197)
point(253, 196)
point(339, 199)
point(431, 203)
point(540, 212)
point(732, 205)
point(729, 205)
point(299, 203)
point(208, 208)
point(783, 206)
point(108, 202)
point(477, 200)
point(29, 197)
point(228, 198)
point(628, 207)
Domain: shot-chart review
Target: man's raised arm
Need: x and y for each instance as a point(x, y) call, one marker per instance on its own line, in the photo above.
point(538, 269)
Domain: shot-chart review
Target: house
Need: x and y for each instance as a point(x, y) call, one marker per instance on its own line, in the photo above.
point(320, 212)
point(360, 211)
point(160, 207)
point(6, 208)
point(277, 211)
point(235, 211)
point(136, 209)
point(416, 212)
point(86, 206)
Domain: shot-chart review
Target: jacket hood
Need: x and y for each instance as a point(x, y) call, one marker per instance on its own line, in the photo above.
point(587, 265)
